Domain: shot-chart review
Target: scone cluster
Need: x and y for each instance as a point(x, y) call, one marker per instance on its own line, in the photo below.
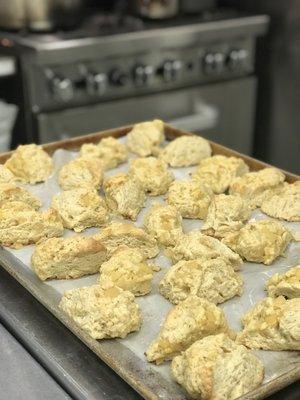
point(208, 358)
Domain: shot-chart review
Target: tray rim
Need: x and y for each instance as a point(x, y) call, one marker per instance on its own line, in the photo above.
point(146, 389)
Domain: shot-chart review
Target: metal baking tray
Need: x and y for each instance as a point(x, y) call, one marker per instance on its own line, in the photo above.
point(142, 376)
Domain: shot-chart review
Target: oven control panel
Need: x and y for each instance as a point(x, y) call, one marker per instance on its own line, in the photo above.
point(88, 82)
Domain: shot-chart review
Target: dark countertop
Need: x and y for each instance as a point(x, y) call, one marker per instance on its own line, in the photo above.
point(81, 375)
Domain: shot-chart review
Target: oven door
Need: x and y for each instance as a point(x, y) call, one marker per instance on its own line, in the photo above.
point(223, 112)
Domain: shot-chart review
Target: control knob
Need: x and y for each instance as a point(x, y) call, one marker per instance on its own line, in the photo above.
point(213, 63)
point(61, 87)
point(236, 59)
point(170, 70)
point(117, 77)
point(96, 83)
point(142, 74)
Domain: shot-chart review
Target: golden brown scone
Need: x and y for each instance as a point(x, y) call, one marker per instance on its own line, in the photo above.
point(260, 241)
point(217, 172)
point(21, 225)
point(68, 258)
point(186, 151)
point(191, 320)
point(257, 186)
point(226, 214)
point(214, 280)
point(272, 324)
point(216, 368)
point(109, 150)
point(6, 176)
point(152, 174)
point(124, 195)
point(195, 245)
point(30, 164)
point(190, 198)
point(81, 172)
point(80, 208)
point(128, 270)
point(285, 204)
point(164, 223)
point(102, 312)
point(117, 234)
point(145, 138)
point(286, 284)
point(11, 193)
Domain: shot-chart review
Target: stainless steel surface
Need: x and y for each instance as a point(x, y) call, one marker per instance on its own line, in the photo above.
point(64, 357)
point(21, 375)
point(39, 15)
point(155, 9)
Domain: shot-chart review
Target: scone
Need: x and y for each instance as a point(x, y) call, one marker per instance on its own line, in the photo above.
point(215, 368)
point(6, 176)
point(186, 151)
point(272, 324)
point(109, 151)
point(152, 174)
point(128, 270)
point(226, 214)
point(21, 225)
point(191, 320)
point(214, 280)
point(124, 195)
point(117, 234)
point(80, 208)
point(195, 245)
point(217, 172)
point(11, 193)
point(145, 138)
point(190, 198)
point(260, 241)
point(285, 204)
point(30, 164)
point(68, 258)
point(164, 223)
point(257, 186)
point(81, 172)
point(102, 312)
point(286, 284)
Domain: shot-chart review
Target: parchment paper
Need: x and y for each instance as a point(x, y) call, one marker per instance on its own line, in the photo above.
point(155, 307)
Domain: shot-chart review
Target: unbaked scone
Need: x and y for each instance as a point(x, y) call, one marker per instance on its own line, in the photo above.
point(145, 138)
point(272, 324)
point(6, 176)
point(186, 151)
point(152, 174)
point(191, 320)
point(257, 186)
point(128, 270)
point(68, 258)
point(214, 280)
point(81, 172)
point(102, 312)
point(260, 241)
point(286, 284)
point(190, 198)
point(118, 233)
point(164, 223)
point(11, 193)
point(285, 204)
point(80, 208)
point(109, 150)
point(217, 172)
point(30, 164)
point(226, 214)
point(195, 245)
point(217, 368)
point(21, 225)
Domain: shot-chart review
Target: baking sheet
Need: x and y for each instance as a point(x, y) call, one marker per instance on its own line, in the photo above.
point(154, 307)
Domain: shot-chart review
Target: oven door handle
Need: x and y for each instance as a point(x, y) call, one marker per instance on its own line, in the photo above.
point(206, 116)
